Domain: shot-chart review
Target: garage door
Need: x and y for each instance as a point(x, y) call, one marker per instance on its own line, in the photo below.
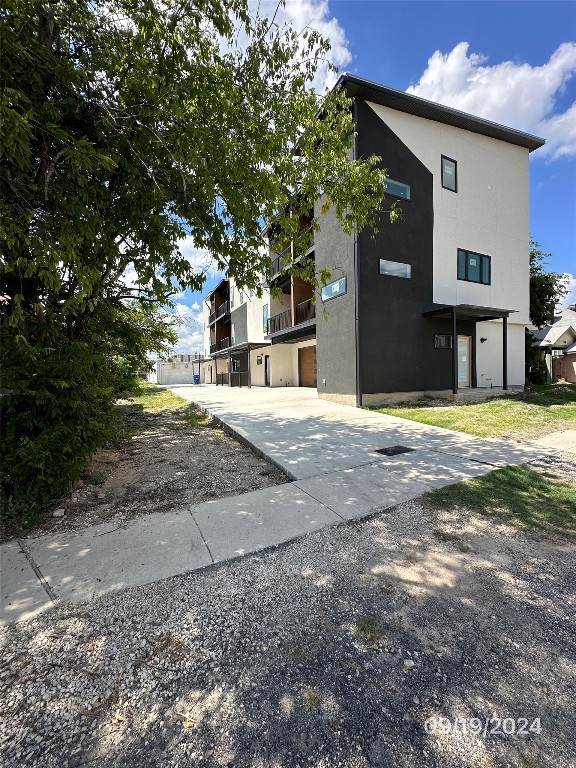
point(307, 366)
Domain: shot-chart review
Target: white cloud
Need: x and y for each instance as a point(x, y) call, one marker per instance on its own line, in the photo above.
point(512, 93)
point(200, 258)
point(307, 14)
point(191, 332)
point(570, 297)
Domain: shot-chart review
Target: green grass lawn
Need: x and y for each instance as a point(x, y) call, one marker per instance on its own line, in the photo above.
point(155, 400)
point(527, 499)
point(547, 408)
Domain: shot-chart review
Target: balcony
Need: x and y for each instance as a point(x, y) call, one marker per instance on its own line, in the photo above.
point(280, 263)
point(305, 311)
point(223, 344)
point(213, 348)
point(280, 322)
point(223, 309)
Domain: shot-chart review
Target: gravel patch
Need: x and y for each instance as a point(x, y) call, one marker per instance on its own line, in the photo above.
point(333, 650)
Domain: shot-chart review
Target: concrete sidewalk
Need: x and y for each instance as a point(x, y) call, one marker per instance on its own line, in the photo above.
point(329, 451)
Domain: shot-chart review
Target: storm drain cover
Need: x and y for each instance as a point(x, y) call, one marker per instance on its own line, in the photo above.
point(393, 450)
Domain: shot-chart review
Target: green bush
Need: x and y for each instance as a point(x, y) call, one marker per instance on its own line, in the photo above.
point(56, 408)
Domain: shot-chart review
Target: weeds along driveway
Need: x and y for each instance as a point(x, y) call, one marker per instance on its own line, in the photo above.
point(416, 639)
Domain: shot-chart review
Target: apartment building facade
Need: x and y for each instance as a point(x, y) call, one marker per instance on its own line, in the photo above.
point(436, 302)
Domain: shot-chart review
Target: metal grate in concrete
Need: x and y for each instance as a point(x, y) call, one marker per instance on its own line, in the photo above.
point(393, 450)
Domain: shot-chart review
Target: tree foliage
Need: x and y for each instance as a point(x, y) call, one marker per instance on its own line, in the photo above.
point(546, 288)
point(127, 125)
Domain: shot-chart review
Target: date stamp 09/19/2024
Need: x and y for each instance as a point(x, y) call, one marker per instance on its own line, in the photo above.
point(483, 726)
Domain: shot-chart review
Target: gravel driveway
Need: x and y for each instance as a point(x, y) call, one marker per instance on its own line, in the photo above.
point(333, 650)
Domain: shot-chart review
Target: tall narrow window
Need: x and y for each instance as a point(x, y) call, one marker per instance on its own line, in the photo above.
point(232, 334)
point(449, 174)
point(265, 318)
point(231, 296)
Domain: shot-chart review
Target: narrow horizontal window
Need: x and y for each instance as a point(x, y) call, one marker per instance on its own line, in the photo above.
point(397, 189)
point(473, 267)
point(395, 269)
point(442, 341)
point(449, 174)
point(337, 288)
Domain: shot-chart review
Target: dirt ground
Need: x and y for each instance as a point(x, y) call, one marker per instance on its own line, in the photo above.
point(163, 465)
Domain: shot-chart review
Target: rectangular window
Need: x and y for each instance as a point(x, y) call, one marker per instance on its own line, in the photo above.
point(395, 269)
point(449, 171)
point(236, 365)
point(231, 296)
point(473, 267)
point(397, 189)
point(232, 334)
point(265, 318)
point(442, 341)
point(332, 290)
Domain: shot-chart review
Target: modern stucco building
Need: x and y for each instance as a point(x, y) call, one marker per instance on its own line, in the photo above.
point(434, 303)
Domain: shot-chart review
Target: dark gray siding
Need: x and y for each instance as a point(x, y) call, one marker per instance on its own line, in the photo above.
point(336, 356)
point(397, 351)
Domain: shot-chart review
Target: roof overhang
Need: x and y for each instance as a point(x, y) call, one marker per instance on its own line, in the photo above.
point(469, 312)
point(366, 90)
point(217, 287)
point(245, 347)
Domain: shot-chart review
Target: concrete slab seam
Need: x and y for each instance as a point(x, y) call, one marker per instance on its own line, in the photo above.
point(201, 535)
point(39, 575)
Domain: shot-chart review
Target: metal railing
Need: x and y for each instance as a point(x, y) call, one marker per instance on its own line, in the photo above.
point(223, 343)
point(223, 309)
point(280, 322)
point(213, 348)
point(280, 263)
point(305, 311)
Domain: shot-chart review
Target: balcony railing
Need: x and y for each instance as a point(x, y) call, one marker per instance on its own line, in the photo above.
point(305, 311)
point(280, 322)
point(213, 348)
point(223, 309)
point(223, 343)
point(280, 263)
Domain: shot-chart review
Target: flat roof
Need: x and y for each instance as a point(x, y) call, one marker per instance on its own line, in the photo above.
point(468, 312)
point(366, 90)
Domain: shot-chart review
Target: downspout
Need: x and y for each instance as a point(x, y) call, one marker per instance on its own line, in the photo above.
point(357, 278)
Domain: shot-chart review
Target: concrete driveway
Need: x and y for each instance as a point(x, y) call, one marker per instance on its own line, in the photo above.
point(329, 450)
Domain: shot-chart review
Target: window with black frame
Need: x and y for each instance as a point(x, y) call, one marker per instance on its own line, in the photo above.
point(449, 174)
point(474, 267)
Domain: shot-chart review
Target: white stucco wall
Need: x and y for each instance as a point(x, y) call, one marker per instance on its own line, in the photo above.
point(178, 373)
point(489, 357)
point(489, 214)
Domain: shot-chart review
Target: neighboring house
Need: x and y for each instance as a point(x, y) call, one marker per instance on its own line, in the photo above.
point(434, 303)
point(557, 345)
point(180, 369)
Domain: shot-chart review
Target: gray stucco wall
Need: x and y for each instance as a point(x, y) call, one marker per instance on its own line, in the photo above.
point(335, 336)
point(240, 319)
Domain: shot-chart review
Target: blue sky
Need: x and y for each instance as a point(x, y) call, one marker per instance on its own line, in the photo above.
point(511, 62)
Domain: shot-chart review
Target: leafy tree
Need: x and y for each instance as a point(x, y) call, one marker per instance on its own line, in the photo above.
point(546, 288)
point(126, 125)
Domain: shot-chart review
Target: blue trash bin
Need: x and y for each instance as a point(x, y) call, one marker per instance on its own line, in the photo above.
point(195, 379)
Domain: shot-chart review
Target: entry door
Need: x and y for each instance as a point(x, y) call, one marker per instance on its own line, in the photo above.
point(464, 360)
point(267, 370)
point(307, 366)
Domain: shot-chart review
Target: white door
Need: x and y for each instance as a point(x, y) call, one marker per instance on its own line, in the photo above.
point(464, 348)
